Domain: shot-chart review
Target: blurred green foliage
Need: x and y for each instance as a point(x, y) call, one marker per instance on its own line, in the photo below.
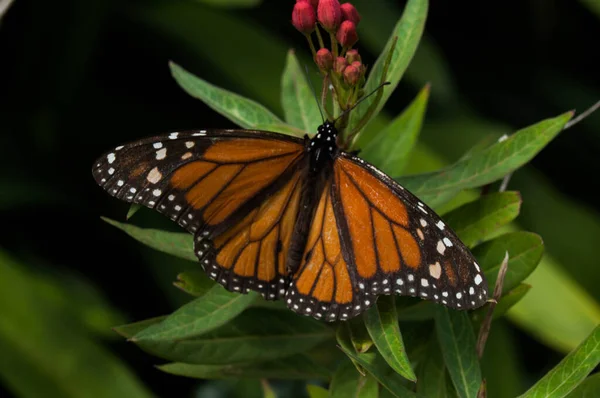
point(55, 334)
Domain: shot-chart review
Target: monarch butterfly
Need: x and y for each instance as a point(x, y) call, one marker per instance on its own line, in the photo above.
point(296, 219)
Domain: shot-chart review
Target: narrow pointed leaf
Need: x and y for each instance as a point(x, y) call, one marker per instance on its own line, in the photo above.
point(347, 382)
point(571, 371)
point(376, 366)
point(389, 148)
point(131, 329)
point(406, 34)
point(299, 103)
point(213, 309)
point(457, 341)
point(134, 208)
point(176, 243)
point(525, 250)
point(475, 221)
point(297, 367)
point(255, 335)
point(488, 165)
point(242, 111)
point(381, 321)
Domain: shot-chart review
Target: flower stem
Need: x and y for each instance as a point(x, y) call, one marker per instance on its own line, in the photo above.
point(312, 47)
point(320, 38)
point(334, 45)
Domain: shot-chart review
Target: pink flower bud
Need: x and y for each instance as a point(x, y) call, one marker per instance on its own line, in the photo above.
point(346, 34)
point(349, 13)
point(324, 59)
point(329, 13)
point(303, 17)
point(351, 75)
point(353, 56)
point(313, 3)
point(340, 65)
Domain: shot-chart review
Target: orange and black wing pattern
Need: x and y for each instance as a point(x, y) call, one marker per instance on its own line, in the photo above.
point(205, 180)
point(400, 246)
point(252, 253)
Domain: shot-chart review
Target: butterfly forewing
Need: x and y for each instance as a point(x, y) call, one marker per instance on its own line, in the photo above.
point(399, 245)
point(198, 178)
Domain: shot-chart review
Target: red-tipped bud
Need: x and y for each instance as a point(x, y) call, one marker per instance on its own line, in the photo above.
point(351, 75)
point(324, 59)
point(346, 34)
point(340, 65)
point(303, 17)
point(329, 13)
point(349, 13)
point(353, 56)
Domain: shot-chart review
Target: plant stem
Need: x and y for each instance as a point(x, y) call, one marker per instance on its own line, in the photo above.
point(320, 38)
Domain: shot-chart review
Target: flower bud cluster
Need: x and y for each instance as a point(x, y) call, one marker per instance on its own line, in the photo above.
point(339, 21)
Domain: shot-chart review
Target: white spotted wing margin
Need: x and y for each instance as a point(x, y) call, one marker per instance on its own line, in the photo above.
point(446, 272)
point(140, 171)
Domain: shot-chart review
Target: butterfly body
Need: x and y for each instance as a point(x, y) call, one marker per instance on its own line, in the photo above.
point(295, 219)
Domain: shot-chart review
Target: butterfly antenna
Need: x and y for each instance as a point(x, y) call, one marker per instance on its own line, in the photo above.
point(362, 99)
point(312, 88)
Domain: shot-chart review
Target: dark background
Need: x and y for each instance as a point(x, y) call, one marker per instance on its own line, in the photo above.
point(79, 77)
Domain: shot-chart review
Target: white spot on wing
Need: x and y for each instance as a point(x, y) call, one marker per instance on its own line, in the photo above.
point(161, 154)
point(111, 158)
point(478, 279)
point(154, 175)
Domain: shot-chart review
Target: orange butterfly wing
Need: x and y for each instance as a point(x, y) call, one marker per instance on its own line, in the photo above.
point(238, 191)
point(369, 237)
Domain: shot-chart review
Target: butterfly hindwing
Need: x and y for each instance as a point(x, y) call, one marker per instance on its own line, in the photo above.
point(399, 245)
point(251, 254)
point(323, 286)
point(198, 178)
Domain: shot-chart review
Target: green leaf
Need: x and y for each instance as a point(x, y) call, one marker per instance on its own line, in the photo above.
point(457, 341)
point(557, 310)
point(253, 336)
point(406, 34)
point(347, 382)
point(390, 147)
point(502, 363)
point(506, 302)
point(176, 243)
point(131, 329)
point(299, 103)
point(589, 388)
point(378, 368)
point(432, 373)
point(525, 250)
point(242, 111)
point(195, 283)
point(134, 208)
point(571, 371)
point(373, 363)
point(44, 355)
point(297, 367)
point(488, 165)
point(316, 391)
point(475, 221)
point(205, 313)
point(381, 321)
